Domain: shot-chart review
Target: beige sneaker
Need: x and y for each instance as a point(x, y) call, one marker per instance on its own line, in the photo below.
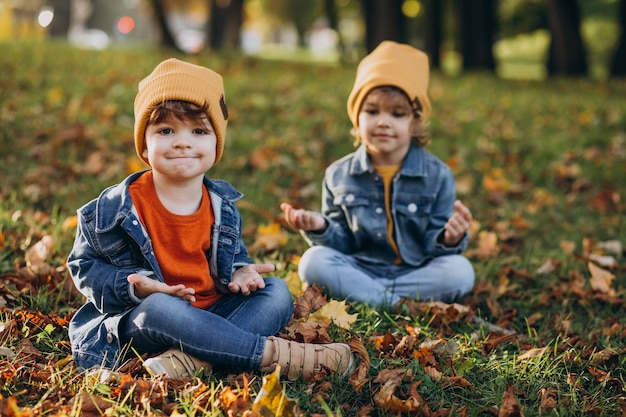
point(303, 360)
point(175, 364)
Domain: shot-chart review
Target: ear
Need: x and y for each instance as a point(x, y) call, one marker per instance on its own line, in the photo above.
point(145, 153)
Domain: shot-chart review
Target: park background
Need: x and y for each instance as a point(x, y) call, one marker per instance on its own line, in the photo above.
point(530, 116)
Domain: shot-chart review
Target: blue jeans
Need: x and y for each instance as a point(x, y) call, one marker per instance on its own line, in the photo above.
point(232, 332)
point(445, 278)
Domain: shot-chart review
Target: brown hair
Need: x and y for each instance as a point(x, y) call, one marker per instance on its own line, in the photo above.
point(395, 96)
point(180, 110)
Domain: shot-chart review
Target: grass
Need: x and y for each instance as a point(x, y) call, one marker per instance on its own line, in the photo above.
point(540, 163)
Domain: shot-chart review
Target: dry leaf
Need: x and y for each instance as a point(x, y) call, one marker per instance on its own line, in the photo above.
point(532, 353)
point(333, 311)
point(358, 378)
point(601, 279)
point(272, 401)
point(510, 407)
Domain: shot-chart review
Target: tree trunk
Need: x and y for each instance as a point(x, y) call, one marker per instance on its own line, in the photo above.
point(384, 20)
point(433, 34)
point(333, 23)
point(476, 29)
point(225, 23)
point(167, 38)
point(567, 52)
point(618, 65)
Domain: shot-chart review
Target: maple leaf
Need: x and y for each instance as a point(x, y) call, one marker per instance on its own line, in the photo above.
point(272, 400)
point(334, 311)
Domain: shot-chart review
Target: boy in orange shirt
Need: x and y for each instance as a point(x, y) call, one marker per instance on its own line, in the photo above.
point(160, 257)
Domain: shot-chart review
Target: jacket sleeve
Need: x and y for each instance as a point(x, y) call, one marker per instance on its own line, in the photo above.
point(102, 283)
point(338, 234)
point(441, 211)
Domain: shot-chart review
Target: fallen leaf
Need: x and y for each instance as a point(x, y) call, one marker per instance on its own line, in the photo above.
point(358, 378)
point(272, 401)
point(510, 407)
point(601, 279)
point(334, 311)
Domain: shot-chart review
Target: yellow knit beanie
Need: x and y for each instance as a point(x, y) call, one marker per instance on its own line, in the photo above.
point(173, 79)
point(391, 64)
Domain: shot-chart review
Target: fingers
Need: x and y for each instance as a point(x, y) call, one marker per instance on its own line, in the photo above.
point(263, 268)
point(462, 210)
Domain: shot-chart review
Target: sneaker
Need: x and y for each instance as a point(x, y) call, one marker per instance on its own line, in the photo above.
point(174, 363)
point(303, 360)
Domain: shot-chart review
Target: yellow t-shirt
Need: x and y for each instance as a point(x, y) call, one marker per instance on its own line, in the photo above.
point(388, 173)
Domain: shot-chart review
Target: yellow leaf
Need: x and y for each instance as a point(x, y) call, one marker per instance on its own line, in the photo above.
point(70, 223)
point(272, 400)
point(334, 311)
point(269, 237)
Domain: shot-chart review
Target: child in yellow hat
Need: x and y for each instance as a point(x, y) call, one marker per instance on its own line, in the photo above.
point(160, 257)
point(391, 230)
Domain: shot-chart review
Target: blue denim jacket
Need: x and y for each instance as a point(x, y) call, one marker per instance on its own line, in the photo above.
point(111, 244)
point(353, 202)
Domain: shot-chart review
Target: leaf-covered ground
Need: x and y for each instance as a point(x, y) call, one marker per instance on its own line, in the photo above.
point(541, 165)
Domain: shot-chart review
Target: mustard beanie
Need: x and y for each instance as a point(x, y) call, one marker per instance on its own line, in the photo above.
point(391, 64)
point(173, 79)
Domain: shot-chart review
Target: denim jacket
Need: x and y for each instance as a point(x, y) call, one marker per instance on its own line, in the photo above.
point(353, 203)
point(111, 244)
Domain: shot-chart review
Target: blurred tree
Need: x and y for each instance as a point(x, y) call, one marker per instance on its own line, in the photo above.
point(60, 25)
point(618, 64)
point(160, 13)
point(477, 21)
point(333, 22)
point(567, 52)
point(433, 33)
point(302, 13)
point(384, 20)
point(225, 21)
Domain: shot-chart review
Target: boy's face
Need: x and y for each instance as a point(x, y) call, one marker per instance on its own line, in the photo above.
point(385, 127)
point(180, 149)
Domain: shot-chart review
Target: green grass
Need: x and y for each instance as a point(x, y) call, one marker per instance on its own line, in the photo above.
point(541, 164)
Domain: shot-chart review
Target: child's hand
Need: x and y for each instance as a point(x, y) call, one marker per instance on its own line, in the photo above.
point(308, 221)
point(145, 286)
point(248, 278)
point(457, 225)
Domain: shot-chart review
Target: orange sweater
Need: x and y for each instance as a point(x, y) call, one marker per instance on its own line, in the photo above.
point(180, 243)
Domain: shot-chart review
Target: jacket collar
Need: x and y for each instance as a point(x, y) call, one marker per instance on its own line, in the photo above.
point(412, 166)
point(114, 203)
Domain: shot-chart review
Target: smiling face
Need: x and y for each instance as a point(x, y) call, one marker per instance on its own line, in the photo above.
point(385, 122)
point(180, 145)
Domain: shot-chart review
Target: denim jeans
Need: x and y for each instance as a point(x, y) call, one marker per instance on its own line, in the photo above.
point(232, 332)
point(445, 278)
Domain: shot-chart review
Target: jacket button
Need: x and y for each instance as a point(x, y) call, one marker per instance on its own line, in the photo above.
point(379, 210)
point(350, 198)
point(412, 208)
point(110, 338)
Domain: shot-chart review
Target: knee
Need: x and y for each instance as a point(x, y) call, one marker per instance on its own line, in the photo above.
point(460, 276)
point(314, 262)
point(279, 294)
